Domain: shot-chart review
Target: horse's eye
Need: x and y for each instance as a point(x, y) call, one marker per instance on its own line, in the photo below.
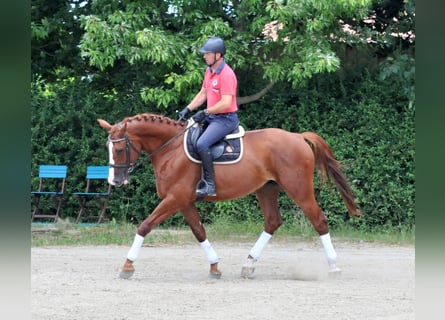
point(119, 151)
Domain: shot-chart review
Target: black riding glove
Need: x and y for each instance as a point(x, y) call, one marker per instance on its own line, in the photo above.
point(184, 114)
point(200, 116)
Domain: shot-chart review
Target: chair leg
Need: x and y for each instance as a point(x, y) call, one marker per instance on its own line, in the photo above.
point(36, 201)
point(58, 199)
point(85, 212)
point(103, 206)
point(83, 208)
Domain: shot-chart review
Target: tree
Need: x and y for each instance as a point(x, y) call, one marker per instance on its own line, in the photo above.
point(111, 59)
point(55, 35)
point(267, 41)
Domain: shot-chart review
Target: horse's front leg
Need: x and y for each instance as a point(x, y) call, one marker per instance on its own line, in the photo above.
point(192, 218)
point(164, 210)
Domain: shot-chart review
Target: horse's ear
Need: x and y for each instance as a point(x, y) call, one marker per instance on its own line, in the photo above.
point(104, 124)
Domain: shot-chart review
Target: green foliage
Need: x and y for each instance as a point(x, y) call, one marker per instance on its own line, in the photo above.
point(64, 130)
point(287, 41)
point(366, 122)
point(141, 56)
point(400, 70)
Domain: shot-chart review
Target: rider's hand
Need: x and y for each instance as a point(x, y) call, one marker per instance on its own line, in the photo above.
point(200, 116)
point(184, 114)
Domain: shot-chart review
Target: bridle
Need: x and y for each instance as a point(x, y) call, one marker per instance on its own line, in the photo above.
point(129, 145)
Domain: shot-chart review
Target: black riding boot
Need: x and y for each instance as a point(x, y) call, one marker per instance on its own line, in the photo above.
point(206, 187)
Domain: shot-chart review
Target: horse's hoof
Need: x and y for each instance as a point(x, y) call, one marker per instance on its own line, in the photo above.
point(248, 269)
point(334, 272)
point(215, 274)
point(247, 272)
point(126, 274)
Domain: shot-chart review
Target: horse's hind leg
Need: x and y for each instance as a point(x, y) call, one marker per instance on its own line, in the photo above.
point(313, 212)
point(268, 200)
point(192, 218)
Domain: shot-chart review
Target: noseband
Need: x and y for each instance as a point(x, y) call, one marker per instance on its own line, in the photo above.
point(128, 144)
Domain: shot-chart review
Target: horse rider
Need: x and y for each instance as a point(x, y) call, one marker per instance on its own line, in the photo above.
point(220, 116)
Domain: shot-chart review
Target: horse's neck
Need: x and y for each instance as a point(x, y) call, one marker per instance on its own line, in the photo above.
point(154, 134)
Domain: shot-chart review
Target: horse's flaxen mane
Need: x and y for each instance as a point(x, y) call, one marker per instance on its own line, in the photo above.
point(152, 117)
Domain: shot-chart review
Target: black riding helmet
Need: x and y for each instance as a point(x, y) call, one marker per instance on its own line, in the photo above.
point(214, 44)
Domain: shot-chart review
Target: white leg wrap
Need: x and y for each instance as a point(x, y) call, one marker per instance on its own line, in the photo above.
point(135, 248)
point(211, 255)
point(259, 245)
point(328, 248)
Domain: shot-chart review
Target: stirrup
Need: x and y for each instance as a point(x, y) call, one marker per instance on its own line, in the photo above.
point(205, 189)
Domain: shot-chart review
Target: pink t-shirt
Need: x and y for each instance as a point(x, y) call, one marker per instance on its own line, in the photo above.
point(218, 83)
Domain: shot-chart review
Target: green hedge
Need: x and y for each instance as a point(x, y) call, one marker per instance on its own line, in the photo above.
point(367, 118)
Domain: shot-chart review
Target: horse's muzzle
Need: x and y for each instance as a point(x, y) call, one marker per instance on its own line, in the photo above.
point(118, 183)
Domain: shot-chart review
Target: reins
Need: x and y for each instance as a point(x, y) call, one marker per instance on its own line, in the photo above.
point(128, 144)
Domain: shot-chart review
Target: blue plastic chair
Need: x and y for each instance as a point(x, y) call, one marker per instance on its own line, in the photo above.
point(98, 189)
point(54, 190)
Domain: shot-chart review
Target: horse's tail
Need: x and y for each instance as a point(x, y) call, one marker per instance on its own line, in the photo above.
point(329, 169)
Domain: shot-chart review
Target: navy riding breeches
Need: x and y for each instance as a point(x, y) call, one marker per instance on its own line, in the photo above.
point(219, 125)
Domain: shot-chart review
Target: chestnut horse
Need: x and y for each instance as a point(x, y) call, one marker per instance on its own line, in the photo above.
point(273, 160)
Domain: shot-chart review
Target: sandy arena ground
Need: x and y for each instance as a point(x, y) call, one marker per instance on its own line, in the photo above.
point(171, 282)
